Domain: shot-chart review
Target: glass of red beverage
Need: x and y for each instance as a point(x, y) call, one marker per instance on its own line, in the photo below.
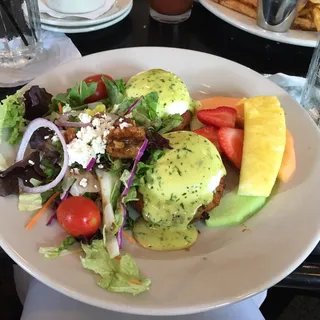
point(170, 11)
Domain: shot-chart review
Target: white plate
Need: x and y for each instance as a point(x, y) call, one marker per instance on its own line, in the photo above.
point(89, 28)
point(118, 9)
point(225, 265)
point(296, 37)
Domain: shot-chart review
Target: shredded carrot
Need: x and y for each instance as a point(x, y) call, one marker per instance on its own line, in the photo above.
point(129, 238)
point(118, 257)
point(41, 211)
point(135, 281)
point(60, 108)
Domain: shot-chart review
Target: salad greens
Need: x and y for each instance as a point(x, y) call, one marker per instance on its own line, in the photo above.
point(62, 250)
point(110, 182)
point(37, 102)
point(116, 275)
point(12, 117)
point(29, 201)
point(74, 97)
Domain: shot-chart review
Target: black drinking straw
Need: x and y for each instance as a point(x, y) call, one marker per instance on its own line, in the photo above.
point(6, 10)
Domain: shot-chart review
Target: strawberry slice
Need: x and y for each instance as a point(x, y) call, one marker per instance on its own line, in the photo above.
point(231, 142)
point(211, 134)
point(220, 117)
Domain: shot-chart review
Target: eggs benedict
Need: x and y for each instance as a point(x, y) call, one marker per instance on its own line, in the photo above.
point(173, 94)
point(177, 190)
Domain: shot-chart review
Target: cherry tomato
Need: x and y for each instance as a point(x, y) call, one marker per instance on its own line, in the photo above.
point(101, 91)
point(79, 216)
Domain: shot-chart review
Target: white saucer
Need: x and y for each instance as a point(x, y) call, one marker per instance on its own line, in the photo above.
point(119, 8)
point(89, 28)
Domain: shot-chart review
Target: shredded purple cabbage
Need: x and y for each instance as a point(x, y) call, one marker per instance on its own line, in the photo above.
point(126, 189)
point(134, 168)
point(65, 195)
point(91, 164)
point(51, 219)
point(133, 105)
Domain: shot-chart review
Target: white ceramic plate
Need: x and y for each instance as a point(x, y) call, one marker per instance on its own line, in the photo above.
point(225, 265)
point(89, 28)
point(296, 37)
point(118, 9)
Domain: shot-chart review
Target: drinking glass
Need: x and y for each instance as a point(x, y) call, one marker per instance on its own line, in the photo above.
point(170, 11)
point(310, 97)
point(19, 32)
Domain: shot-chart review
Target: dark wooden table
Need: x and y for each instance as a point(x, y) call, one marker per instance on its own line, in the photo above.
point(207, 33)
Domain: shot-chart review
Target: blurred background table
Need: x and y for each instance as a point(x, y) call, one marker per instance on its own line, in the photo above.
point(207, 33)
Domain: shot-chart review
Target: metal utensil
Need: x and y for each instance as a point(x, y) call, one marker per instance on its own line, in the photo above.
point(276, 15)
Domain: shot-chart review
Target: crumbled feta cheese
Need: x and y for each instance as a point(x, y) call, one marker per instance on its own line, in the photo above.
point(95, 186)
point(124, 125)
point(90, 141)
point(86, 134)
point(75, 171)
point(66, 108)
point(83, 182)
point(98, 146)
point(31, 162)
point(55, 138)
point(85, 118)
point(46, 137)
point(79, 151)
point(96, 122)
point(100, 166)
point(120, 119)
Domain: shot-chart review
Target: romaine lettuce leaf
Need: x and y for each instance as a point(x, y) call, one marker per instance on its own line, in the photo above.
point(62, 250)
point(29, 201)
point(116, 275)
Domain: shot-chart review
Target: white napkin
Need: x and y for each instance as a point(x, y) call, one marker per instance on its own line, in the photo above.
point(90, 15)
point(293, 85)
point(57, 49)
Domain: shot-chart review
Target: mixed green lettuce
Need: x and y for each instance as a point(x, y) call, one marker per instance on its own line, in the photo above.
point(62, 250)
point(12, 111)
point(115, 275)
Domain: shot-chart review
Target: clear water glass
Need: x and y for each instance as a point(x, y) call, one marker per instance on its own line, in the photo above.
point(310, 98)
point(19, 32)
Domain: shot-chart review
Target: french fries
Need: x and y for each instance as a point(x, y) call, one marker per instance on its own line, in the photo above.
point(308, 12)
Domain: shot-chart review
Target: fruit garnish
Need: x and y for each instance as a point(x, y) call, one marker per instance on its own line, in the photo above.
point(211, 134)
point(263, 147)
point(288, 164)
point(231, 142)
point(219, 117)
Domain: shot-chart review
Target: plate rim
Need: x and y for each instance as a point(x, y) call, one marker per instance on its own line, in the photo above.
point(90, 28)
point(85, 23)
point(273, 36)
point(43, 277)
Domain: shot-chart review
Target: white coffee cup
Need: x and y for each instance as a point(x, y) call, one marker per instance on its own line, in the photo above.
point(75, 6)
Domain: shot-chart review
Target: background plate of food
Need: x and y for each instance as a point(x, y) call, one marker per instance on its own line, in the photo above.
point(242, 14)
point(226, 210)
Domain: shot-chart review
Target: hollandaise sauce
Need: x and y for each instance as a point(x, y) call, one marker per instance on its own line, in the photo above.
point(182, 180)
point(159, 238)
point(173, 94)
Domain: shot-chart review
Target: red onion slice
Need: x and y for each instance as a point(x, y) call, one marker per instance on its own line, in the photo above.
point(32, 127)
point(63, 122)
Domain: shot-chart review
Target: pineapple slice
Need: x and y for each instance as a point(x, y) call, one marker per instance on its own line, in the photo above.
point(263, 147)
